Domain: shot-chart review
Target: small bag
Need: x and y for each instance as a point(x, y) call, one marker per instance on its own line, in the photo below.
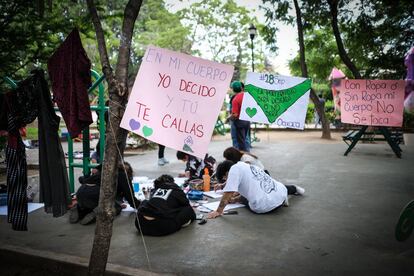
point(195, 195)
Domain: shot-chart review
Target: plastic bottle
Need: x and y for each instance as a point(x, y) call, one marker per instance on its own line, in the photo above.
point(206, 179)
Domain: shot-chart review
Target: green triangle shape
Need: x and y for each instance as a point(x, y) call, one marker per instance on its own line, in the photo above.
point(275, 102)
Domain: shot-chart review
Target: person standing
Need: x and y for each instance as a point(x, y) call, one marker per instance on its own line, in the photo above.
point(242, 127)
point(161, 159)
point(233, 133)
point(318, 120)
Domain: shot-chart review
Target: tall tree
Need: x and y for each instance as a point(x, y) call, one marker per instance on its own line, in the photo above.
point(115, 136)
point(333, 6)
point(281, 7)
point(319, 105)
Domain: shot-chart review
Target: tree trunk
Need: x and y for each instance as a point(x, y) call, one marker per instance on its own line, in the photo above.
point(333, 4)
point(326, 131)
point(115, 136)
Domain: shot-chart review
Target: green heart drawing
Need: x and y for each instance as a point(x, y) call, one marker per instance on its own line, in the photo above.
point(251, 111)
point(275, 102)
point(147, 131)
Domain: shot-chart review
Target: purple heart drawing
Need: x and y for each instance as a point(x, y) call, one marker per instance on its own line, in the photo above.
point(134, 125)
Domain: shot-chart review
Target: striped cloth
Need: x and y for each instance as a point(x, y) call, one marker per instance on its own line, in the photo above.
point(16, 178)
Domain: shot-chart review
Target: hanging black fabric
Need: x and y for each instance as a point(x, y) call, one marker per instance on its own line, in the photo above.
point(54, 182)
point(34, 100)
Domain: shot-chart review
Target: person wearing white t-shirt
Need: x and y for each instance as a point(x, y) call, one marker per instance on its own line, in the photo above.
point(263, 193)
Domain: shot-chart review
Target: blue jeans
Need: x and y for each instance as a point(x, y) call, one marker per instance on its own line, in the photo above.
point(233, 133)
point(242, 130)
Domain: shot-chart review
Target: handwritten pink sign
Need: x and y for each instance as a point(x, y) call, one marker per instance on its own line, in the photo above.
point(372, 102)
point(176, 99)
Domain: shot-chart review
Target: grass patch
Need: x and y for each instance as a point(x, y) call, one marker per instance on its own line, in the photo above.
point(32, 133)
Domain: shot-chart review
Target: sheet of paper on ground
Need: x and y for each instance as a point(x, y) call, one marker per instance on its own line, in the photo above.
point(274, 99)
point(372, 102)
point(212, 206)
point(213, 194)
point(30, 208)
point(176, 99)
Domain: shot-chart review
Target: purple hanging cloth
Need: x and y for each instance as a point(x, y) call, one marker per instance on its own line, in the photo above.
point(409, 63)
point(69, 71)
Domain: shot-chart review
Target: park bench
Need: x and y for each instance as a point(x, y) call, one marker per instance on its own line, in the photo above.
point(373, 136)
point(393, 137)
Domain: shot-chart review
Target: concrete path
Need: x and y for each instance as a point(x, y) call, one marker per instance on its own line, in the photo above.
point(344, 225)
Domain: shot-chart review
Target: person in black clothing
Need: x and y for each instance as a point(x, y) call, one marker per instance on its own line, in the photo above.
point(194, 167)
point(167, 210)
point(88, 195)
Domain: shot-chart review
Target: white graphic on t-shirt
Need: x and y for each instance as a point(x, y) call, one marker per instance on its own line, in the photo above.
point(162, 193)
point(266, 182)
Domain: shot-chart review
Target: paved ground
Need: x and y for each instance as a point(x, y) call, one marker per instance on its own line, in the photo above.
point(344, 225)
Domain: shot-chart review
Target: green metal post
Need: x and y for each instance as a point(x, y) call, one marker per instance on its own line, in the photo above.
point(101, 109)
point(70, 161)
point(86, 147)
point(11, 82)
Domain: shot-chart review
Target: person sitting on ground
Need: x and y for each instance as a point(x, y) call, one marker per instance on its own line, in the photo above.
point(167, 210)
point(236, 155)
point(195, 166)
point(85, 210)
point(258, 190)
point(96, 157)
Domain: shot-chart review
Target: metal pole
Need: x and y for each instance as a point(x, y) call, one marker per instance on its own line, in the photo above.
point(252, 139)
point(252, 55)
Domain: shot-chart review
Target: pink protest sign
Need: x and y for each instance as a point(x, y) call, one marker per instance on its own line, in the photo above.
point(176, 99)
point(372, 102)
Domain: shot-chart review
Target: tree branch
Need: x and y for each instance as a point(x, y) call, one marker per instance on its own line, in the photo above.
point(301, 40)
point(130, 16)
point(333, 5)
point(103, 54)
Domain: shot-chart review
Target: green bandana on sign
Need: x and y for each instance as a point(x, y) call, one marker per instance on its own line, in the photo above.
point(275, 102)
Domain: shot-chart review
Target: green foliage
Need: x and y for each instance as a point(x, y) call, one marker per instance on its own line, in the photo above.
point(29, 37)
point(321, 56)
point(379, 33)
point(375, 33)
point(329, 112)
point(32, 133)
point(275, 11)
point(408, 120)
point(31, 32)
point(323, 90)
point(219, 31)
